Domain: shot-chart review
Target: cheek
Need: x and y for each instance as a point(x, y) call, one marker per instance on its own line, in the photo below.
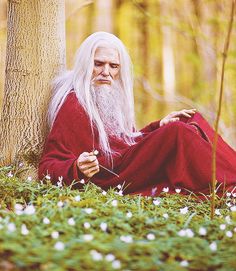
point(116, 74)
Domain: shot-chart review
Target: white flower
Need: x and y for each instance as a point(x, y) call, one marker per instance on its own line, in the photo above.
point(165, 215)
point(96, 255)
point(59, 184)
point(77, 198)
point(114, 203)
point(154, 190)
point(88, 210)
point(119, 186)
point(129, 214)
point(222, 227)
point(29, 178)
point(217, 212)
point(229, 234)
point(71, 221)
point(18, 209)
point(21, 164)
point(11, 227)
point(165, 189)
point(234, 195)
point(213, 246)
point(47, 177)
point(233, 208)
point(235, 229)
point(126, 239)
point(95, 152)
point(229, 204)
point(86, 225)
point(103, 226)
point(228, 219)
point(88, 237)
point(189, 233)
point(55, 234)
point(120, 193)
point(182, 233)
point(184, 210)
point(178, 190)
point(46, 221)
point(156, 202)
point(151, 236)
point(59, 246)
point(116, 264)
point(184, 263)
point(9, 174)
point(82, 181)
point(228, 194)
point(24, 230)
point(109, 257)
point(60, 204)
point(29, 210)
point(104, 193)
point(202, 231)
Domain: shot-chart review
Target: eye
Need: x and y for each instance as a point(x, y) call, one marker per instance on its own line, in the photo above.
point(114, 66)
point(97, 63)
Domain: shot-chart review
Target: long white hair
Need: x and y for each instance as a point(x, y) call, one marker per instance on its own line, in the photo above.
point(79, 80)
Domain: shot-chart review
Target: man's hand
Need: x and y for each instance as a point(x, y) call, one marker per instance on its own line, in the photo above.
point(174, 116)
point(88, 163)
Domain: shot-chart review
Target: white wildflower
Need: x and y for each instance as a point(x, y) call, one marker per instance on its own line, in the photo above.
point(29, 178)
point(129, 215)
point(71, 221)
point(222, 227)
point(202, 231)
point(59, 246)
point(77, 198)
point(114, 203)
point(24, 230)
point(165, 215)
point(178, 190)
point(47, 177)
point(119, 186)
point(182, 233)
point(60, 204)
point(217, 212)
point(109, 257)
point(88, 237)
point(184, 210)
point(165, 189)
point(228, 194)
point(103, 226)
point(154, 190)
point(126, 239)
point(120, 193)
point(233, 208)
point(18, 208)
point(87, 225)
point(59, 183)
point(46, 221)
point(229, 234)
point(151, 236)
point(88, 210)
point(184, 263)
point(213, 246)
point(11, 227)
point(82, 181)
point(104, 193)
point(116, 264)
point(95, 152)
point(29, 210)
point(55, 234)
point(189, 233)
point(234, 195)
point(228, 219)
point(229, 204)
point(235, 229)
point(9, 174)
point(156, 202)
point(21, 164)
point(96, 256)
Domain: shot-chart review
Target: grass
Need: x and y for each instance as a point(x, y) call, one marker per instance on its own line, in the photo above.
point(98, 231)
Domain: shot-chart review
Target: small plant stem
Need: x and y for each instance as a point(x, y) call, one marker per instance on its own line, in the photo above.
point(226, 47)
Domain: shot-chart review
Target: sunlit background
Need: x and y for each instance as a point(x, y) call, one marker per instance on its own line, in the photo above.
point(176, 47)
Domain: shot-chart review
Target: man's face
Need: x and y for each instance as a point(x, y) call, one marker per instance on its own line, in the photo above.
point(106, 65)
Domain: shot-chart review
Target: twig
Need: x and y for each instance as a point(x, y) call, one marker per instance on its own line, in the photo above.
point(226, 47)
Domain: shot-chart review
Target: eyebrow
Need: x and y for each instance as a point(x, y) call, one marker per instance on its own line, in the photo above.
point(101, 61)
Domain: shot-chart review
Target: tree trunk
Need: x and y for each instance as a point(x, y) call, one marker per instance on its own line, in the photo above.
point(103, 15)
point(35, 52)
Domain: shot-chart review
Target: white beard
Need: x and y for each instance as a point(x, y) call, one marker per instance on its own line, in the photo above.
point(108, 99)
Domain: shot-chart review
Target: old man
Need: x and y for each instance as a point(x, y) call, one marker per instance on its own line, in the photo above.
point(93, 136)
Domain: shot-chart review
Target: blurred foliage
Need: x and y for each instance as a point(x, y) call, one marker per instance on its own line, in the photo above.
point(190, 34)
point(63, 229)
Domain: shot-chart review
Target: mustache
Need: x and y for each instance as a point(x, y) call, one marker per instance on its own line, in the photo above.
point(100, 77)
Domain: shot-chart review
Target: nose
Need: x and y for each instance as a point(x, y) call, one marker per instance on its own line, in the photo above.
point(105, 71)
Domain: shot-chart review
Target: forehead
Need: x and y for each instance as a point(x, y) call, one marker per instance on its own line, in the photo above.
point(107, 53)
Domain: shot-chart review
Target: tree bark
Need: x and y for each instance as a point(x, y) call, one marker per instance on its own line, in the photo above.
point(103, 15)
point(35, 53)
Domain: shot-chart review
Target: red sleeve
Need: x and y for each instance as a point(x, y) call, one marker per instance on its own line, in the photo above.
point(71, 135)
point(151, 127)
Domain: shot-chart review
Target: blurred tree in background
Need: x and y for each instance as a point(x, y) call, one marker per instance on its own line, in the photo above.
point(175, 46)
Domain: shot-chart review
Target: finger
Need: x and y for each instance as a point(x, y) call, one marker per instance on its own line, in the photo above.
point(87, 159)
point(89, 173)
point(88, 165)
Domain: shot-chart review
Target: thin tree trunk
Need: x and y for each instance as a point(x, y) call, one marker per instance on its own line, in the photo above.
point(103, 20)
point(35, 52)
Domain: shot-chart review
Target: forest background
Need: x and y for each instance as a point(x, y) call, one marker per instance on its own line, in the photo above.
point(176, 48)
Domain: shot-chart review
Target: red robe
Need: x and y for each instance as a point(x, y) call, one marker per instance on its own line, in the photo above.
point(177, 155)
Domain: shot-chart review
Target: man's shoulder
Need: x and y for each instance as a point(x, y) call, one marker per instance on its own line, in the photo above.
point(71, 104)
